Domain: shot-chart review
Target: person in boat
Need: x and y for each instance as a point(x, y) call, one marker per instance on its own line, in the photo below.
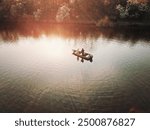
point(82, 51)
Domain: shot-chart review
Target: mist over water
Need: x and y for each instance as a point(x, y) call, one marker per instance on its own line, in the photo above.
point(38, 72)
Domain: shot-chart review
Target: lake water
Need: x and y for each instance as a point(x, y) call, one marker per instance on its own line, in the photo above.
point(38, 72)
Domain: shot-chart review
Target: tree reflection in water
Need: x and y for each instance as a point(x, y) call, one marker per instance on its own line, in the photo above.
point(35, 30)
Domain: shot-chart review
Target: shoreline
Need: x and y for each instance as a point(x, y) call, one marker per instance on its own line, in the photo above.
point(72, 23)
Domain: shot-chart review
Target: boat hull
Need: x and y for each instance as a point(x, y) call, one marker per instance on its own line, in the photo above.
point(86, 56)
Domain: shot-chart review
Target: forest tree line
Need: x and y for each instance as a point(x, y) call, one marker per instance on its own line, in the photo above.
point(96, 11)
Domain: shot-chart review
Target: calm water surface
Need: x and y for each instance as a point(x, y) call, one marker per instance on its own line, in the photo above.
point(40, 74)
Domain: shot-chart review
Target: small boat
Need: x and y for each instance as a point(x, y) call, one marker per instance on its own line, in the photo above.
point(86, 56)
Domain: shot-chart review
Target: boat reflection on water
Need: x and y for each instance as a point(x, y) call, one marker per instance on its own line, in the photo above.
point(83, 55)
